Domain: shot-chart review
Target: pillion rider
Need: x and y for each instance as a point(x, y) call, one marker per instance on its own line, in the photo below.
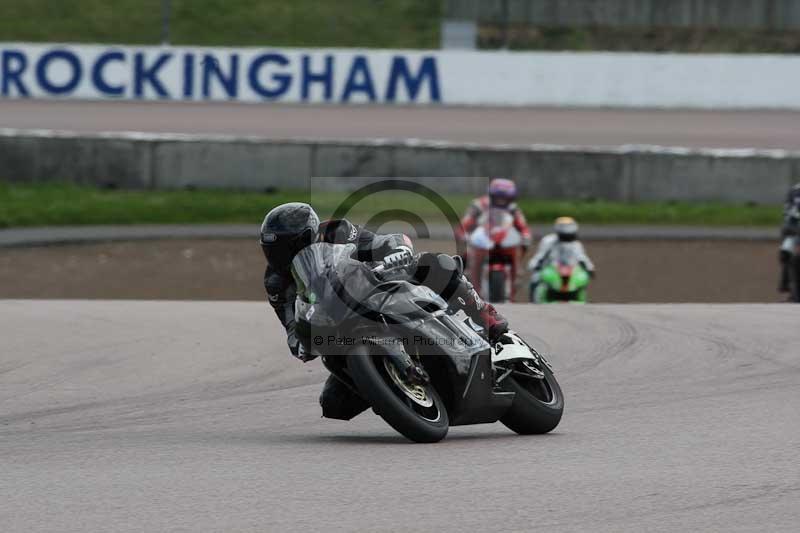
point(290, 227)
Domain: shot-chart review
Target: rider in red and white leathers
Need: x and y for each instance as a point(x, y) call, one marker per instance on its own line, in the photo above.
point(501, 194)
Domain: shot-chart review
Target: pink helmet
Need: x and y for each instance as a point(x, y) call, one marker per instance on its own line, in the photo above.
point(501, 192)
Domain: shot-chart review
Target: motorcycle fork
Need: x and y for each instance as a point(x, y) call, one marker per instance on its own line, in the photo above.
point(402, 361)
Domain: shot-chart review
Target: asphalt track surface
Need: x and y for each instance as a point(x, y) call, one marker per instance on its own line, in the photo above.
point(190, 416)
point(584, 127)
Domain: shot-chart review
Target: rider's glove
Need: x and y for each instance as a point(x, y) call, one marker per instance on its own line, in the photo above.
point(399, 257)
point(297, 348)
point(294, 344)
point(303, 355)
point(589, 271)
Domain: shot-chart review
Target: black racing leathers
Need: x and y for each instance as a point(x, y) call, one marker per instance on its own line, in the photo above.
point(791, 212)
point(789, 231)
point(280, 285)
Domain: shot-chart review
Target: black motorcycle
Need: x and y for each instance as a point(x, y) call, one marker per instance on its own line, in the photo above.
point(794, 270)
point(370, 324)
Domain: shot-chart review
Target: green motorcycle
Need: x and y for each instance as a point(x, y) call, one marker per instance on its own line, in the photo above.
point(563, 279)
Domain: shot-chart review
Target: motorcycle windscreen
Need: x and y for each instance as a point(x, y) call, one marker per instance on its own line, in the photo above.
point(330, 283)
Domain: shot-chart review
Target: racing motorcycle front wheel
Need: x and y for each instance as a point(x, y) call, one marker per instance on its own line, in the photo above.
point(497, 286)
point(415, 411)
point(538, 403)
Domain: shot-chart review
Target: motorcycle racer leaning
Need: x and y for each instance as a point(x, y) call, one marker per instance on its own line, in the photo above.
point(565, 233)
point(502, 194)
point(292, 226)
point(789, 232)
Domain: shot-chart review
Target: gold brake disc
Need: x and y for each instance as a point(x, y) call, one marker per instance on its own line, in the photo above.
point(416, 393)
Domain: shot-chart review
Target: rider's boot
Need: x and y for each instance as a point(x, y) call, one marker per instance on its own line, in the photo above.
point(480, 311)
point(495, 323)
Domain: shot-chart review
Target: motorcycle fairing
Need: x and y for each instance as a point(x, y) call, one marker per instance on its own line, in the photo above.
point(513, 350)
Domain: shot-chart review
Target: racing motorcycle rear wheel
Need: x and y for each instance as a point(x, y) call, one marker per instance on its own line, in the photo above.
point(538, 403)
point(497, 286)
point(415, 411)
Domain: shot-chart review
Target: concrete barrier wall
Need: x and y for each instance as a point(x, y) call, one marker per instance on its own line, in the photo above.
point(633, 173)
point(743, 14)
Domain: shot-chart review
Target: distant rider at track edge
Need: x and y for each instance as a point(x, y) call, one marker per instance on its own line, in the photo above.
point(500, 194)
point(790, 230)
point(290, 227)
point(565, 233)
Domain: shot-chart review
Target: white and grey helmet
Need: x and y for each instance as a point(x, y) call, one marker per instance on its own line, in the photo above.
point(566, 228)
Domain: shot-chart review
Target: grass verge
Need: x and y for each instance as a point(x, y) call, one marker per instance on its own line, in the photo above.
point(648, 39)
point(343, 23)
point(58, 204)
point(348, 23)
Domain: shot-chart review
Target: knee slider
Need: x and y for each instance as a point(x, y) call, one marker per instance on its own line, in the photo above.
point(339, 402)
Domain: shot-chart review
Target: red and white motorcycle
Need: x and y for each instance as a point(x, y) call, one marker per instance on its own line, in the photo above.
point(493, 252)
